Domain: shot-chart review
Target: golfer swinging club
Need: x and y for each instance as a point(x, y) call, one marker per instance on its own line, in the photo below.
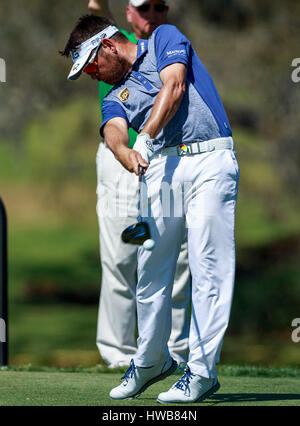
point(162, 90)
point(116, 324)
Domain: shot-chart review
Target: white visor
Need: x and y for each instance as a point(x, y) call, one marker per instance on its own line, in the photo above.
point(81, 56)
point(138, 3)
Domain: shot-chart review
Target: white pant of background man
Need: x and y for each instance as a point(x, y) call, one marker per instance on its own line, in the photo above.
point(117, 208)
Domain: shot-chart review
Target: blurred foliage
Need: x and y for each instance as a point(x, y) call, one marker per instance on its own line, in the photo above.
point(60, 148)
point(48, 142)
point(53, 139)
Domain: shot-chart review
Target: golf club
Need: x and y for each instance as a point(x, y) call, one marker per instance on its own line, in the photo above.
point(139, 233)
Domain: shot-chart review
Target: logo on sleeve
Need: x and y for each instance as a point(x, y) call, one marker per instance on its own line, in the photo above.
point(124, 95)
point(176, 52)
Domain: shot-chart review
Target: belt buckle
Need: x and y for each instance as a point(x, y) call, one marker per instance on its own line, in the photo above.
point(183, 150)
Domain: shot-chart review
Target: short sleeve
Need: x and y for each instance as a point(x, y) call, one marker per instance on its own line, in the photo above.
point(111, 109)
point(171, 46)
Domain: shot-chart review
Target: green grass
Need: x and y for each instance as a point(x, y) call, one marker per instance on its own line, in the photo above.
point(54, 287)
point(88, 387)
point(53, 260)
point(224, 370)
point(64, 335)
point(60, 335)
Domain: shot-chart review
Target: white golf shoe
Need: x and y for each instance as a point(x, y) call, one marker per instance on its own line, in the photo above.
point(138, 379)
point(190, 388)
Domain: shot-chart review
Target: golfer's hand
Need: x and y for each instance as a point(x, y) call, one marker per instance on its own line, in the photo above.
point(144, 145)
point(131, 159)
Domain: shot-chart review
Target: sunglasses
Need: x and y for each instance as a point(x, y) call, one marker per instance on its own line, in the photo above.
point(91, 68)
point(160, 8)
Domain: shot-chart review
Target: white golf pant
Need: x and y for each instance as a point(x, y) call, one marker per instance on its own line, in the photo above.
point(117, 208)
point(202, 196)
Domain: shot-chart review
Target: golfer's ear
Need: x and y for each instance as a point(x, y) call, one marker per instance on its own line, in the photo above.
point(107, 43)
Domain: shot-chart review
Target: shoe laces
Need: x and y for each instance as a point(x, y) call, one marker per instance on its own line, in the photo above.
point(184, 382)
point(181, 367)
point(129, 373)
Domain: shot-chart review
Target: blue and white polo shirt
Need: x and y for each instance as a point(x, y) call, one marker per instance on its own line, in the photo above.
point(201, 115)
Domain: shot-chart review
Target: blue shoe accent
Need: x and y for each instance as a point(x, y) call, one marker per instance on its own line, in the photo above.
point(162, 376)
point(130, 372)
point(130, 375)
point(183, 383)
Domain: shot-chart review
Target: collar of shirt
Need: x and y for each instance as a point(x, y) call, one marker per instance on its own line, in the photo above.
point(142, 49)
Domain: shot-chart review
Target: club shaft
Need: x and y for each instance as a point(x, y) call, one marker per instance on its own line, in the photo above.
point(141, 172)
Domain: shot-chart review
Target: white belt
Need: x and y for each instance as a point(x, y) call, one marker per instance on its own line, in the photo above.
point(197, 147)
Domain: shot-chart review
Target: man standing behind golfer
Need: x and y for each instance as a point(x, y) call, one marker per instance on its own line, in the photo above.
point(117, 209)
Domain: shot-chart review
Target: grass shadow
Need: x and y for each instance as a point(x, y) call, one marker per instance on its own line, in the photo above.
point(251, 397)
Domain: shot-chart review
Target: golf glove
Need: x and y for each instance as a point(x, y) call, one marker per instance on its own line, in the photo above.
point(144, 146)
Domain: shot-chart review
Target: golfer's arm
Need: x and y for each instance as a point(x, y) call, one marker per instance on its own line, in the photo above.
point(168, 100)
point(116, 135)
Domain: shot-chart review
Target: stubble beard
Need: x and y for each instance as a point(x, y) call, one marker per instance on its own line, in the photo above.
point(118, 70)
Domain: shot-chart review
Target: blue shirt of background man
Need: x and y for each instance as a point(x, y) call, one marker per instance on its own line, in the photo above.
point(201, 115)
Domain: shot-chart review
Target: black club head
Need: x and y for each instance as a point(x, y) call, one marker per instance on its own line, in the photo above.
point(136, 234)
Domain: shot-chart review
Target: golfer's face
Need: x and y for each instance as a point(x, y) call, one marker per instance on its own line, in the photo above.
point(110, 68)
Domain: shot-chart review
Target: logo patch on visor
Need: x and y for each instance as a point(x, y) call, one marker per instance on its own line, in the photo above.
point(97, 40)
point(74, 55)
point(124, 95)
point(75, 67)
